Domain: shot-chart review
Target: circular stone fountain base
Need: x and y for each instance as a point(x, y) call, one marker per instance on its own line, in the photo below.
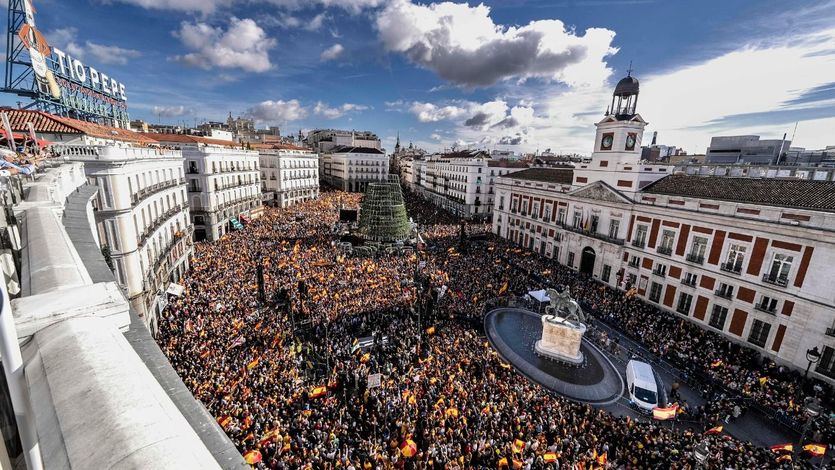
point(514, 332)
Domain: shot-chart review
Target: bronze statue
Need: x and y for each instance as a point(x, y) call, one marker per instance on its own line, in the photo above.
point(563, 306)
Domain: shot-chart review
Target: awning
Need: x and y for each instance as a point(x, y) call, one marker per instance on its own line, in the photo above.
point(540, 295)
point(175, 289)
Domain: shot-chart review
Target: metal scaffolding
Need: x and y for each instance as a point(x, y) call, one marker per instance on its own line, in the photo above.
point(383, 216)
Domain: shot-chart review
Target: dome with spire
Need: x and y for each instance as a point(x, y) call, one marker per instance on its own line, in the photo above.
point(627, 86)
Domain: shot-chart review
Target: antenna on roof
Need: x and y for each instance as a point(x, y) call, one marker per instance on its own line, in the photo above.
point(629, 70)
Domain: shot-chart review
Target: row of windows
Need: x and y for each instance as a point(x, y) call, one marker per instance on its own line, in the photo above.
point(778, 271)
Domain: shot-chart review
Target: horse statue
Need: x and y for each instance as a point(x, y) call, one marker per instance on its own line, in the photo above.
point(562, 305)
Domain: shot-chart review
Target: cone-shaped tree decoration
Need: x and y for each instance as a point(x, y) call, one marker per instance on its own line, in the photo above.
point(383, 215)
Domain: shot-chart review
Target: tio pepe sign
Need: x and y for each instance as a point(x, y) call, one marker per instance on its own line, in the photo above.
point(72, 74)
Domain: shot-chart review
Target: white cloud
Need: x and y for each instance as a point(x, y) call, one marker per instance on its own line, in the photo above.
point(243, 45)
point(67, 40)
point(688, 105)
point(428, 112)
point(464, 46)
point(277, 111)
point(332, 52)
point(322, 109)
point(110, 54)
point(353, 6)
point(202, 6)
point(172, 111)
point(288, 21)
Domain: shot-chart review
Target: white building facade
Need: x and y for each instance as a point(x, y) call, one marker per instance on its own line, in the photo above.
point(749, 258)
point(223, 183)
point(289, 175)
point(460, 182)
point(352, 168)
point(143, 219)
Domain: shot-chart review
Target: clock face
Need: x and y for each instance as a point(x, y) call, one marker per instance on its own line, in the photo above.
point(606, 144)
point(630, 141)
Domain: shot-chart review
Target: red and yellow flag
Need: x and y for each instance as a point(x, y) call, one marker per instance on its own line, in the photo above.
point(365, 358)
point(662, 414)
point(503, 289)
point(503, 462)
point(408, 448)
point(785, 458)
point(782, 448)
point(252, 457)
point(517, 464)
point(716, 363)
point(714, 430)
point(815, 450)
point(430, 330)
point(224, 421)
point(518, 445)
point(252, 364)
point(602, 458)
point(317, 392)
point(549, 457)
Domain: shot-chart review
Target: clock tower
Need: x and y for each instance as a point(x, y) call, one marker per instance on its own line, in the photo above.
point(616, 158)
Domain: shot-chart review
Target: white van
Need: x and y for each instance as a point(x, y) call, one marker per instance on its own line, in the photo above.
point(640, 381)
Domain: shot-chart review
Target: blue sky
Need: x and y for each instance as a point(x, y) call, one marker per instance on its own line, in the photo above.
point(500, 74)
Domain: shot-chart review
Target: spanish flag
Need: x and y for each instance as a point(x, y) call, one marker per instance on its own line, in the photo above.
point(602, 458)
point(430, 330)
point(365, 358)
point(452, 412)
point(549, 457)
point(517, 464)
point(503, 289)
point(318, 392)
point(662, 414)
point(224, 421)
point(714, 430)
point(518, 446)
point(503, 462)
point(485, 410)
point(252, 457)
point(269, 437)
point(763, 380)
point(815, 450)
point(252, 364)
point(782, 448)
point(716, 363)
point(785, 458)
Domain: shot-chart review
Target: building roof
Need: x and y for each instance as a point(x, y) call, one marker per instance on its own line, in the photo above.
point(52, 124)
point(348, 149)
point(188, 139)
point(277, 146)
point(794, 193)
point(545, 175)
point(506, 164)
point(464, 154)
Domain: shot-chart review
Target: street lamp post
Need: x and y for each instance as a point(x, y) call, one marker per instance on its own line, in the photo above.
point(813, 356)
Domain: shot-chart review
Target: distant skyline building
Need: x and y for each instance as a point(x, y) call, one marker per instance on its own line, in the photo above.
point(746, 149)
point(325, 140)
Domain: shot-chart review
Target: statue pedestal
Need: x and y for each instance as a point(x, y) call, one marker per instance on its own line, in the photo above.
point(561, 340)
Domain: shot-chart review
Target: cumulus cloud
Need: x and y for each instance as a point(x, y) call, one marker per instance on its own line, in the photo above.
point(463, 45)
point(428, 112)
point(288, 21)
point(277, 111)
point(243, 45)
point(327, 112)
point(172, 111)
point(332, 52)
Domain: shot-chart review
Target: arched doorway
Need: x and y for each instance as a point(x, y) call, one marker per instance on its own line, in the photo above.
point(587, 261)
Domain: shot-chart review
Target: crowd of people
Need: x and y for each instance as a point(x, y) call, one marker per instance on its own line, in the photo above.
point(290, 375)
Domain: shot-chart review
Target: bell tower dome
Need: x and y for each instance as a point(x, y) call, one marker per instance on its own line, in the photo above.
point(616, 158)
